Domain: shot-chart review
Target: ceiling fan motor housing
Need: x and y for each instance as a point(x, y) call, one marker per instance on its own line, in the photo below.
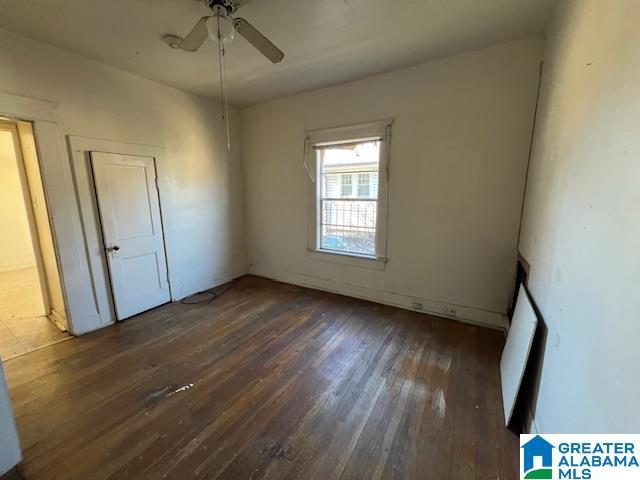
point(229, 5)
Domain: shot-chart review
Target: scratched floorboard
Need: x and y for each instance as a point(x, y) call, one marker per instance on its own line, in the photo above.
point(267, 381)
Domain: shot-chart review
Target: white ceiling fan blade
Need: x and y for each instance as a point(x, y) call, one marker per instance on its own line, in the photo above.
point(259, 41)
point(196, 36)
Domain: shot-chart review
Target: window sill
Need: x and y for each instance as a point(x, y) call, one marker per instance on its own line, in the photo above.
point(350, 259)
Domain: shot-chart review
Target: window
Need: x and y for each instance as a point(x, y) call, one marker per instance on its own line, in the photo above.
point(363, 185)
point(346, 183)
point(347, 222)
point(349, 194)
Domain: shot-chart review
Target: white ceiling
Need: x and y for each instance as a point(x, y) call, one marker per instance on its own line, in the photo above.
point(325, 41)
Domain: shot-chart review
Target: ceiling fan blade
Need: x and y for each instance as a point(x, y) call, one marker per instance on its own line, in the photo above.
point(259, 41)
point(196, 36)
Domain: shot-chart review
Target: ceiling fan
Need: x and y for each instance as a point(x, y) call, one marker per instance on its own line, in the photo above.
point(221, 27)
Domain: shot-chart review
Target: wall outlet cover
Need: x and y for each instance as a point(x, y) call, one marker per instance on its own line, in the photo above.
point(451, 311)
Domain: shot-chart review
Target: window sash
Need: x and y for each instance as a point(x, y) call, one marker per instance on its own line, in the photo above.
point(347, 224)
point(318, 140)
point(336, 222)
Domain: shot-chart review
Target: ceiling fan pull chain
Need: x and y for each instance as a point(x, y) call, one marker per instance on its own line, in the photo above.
point(226, 99)
point(223, 95)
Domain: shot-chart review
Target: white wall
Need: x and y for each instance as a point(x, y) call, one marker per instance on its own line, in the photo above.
point(581, 222)
point(203, 204)
point(458, 161)
point(16, 249)
point(10, 453)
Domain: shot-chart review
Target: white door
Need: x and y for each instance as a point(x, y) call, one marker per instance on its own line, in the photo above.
point(132, 230)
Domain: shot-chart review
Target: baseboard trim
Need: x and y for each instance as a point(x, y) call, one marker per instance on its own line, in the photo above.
point(206, 283)
point(58, 319)
point(474, 316)
point(188, 289)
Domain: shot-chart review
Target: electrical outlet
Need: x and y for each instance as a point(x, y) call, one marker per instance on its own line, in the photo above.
point(450, 311)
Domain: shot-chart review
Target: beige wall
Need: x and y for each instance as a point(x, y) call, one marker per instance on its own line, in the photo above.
point(202, 206)
point(16, 248)
point(581, 223)
point(458, 161)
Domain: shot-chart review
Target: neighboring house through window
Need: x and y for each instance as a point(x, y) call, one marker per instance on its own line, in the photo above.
point(346, 183)
point(364, 187)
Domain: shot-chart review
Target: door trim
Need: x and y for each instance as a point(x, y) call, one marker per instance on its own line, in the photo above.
point(58, 184)
point(79, 148)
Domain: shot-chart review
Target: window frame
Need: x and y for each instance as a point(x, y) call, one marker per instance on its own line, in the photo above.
point(378, 131)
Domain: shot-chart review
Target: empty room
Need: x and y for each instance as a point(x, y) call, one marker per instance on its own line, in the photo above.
point(339, 239)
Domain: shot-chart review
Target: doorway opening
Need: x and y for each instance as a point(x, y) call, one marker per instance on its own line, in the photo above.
point(32, 306)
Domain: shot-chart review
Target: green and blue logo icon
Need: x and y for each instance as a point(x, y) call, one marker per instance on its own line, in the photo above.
point(537, 459)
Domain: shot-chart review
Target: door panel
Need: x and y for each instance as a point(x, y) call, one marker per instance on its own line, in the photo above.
point(132, 230)
point(132, 211)
point(140, 274)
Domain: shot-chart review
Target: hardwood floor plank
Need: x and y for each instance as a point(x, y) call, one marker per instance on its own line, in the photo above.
point(267, 381)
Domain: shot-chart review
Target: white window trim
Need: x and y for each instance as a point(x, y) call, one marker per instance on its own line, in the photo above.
point(381, 131)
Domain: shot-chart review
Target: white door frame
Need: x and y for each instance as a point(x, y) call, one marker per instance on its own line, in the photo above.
point(12, 128)
point(66, 225)
point(79, 148)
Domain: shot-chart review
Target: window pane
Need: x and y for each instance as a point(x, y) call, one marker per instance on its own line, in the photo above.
point(349, 197)
point(345, 185)
point(349, 226)
point(364, 185)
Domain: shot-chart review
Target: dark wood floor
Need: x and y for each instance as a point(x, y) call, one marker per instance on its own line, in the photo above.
point(267, 381)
